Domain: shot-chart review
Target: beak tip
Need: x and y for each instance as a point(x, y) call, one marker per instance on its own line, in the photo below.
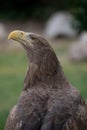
point(12, 35)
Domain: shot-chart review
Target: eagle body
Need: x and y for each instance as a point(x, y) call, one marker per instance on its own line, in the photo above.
point(48, 101)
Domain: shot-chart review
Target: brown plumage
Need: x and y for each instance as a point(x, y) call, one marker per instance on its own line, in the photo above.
point(48, 101)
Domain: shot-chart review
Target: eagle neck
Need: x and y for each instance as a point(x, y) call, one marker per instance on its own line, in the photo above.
point(34, 76)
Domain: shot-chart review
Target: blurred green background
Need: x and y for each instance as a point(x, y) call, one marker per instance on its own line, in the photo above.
point(13, 61)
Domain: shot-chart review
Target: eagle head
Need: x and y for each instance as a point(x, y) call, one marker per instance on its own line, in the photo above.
point(39, 52)
point(30, 41)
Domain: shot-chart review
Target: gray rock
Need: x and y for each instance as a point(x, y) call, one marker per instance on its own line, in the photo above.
point(78, 49)
point(60, 24)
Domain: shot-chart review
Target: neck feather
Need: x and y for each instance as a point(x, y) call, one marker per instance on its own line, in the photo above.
point(35, 75)
point(44, 67)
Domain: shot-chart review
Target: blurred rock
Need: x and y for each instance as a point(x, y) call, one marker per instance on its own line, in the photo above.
point(3, 32)
point(61, 25)
point(78, 50)
point(83, 38)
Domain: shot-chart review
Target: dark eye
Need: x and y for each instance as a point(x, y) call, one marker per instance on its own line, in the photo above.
point(33, 38)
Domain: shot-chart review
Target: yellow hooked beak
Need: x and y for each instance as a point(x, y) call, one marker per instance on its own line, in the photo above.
point(21, 37)
point(17, 35)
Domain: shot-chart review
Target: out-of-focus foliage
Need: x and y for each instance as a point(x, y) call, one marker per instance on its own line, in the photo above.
point(42, 9)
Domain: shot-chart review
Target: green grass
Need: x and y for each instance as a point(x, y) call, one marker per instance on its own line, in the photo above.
point(12, 71)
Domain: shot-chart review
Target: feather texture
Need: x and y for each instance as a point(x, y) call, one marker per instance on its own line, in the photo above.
point(48, 101)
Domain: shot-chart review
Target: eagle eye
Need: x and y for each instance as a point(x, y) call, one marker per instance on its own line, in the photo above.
point(33, 38)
